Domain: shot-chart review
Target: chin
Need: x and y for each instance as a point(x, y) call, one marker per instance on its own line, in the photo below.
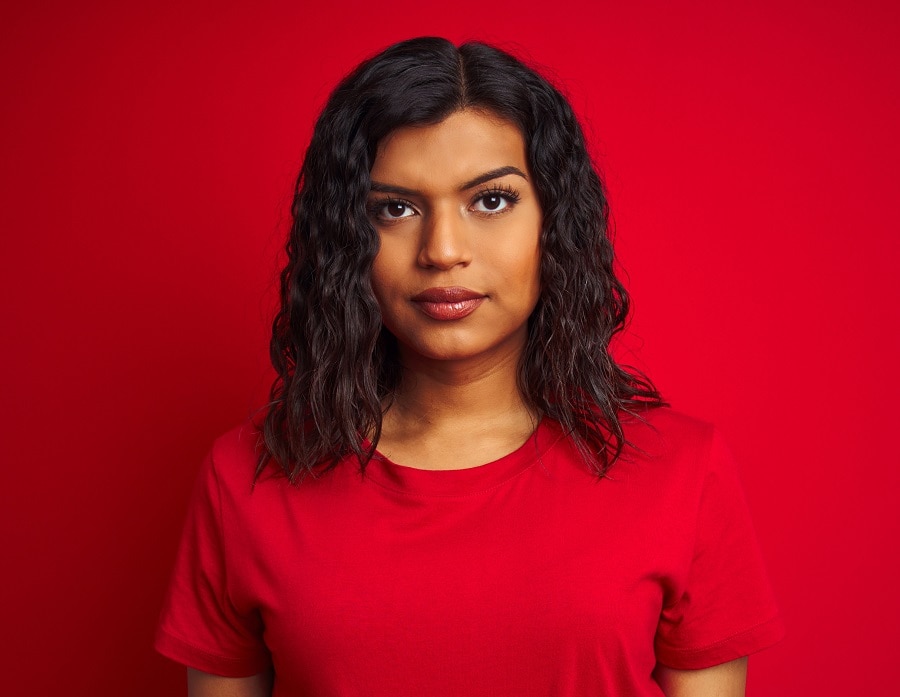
point(463, 351)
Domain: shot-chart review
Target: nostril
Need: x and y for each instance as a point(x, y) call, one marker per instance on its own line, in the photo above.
point(444, 243)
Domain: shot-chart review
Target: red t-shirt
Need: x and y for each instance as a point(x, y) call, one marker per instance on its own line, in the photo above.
point(524, 576)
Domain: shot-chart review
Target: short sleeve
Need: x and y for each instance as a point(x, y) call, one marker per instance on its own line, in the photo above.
point(200, 626)
point(726, 608)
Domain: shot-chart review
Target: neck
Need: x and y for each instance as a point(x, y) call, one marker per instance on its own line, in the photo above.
point(438, 401)
point(437, 392)
point(447, 395)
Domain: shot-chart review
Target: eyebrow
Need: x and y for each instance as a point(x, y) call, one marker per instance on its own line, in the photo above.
point(471, 184)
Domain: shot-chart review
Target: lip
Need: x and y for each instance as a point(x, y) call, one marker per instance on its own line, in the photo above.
point(448, 303)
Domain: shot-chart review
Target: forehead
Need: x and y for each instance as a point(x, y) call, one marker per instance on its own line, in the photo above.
point(463, 145)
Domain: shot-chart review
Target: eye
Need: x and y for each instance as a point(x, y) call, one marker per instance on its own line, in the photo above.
point(495, 201)
point(393, 209)
point(490, 203)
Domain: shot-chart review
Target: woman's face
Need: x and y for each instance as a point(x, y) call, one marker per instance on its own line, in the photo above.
point(458, 272)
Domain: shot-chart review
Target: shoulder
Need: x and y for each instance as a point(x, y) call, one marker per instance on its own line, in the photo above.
point(670, 451)
point(245, 505)
point(230, 465)
point(237, 448)
point(662, 431)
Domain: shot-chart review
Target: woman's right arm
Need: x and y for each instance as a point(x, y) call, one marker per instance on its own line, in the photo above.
point(202, 684)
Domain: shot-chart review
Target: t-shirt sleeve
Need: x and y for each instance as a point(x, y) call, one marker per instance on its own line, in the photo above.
point(726, 608)
point(200, 626)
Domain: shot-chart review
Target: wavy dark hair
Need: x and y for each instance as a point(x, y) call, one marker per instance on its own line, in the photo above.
point(337, 366)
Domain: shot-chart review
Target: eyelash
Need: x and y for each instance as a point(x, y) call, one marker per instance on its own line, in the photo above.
point(504, 191)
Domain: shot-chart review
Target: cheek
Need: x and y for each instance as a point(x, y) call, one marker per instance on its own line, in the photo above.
point(526, 267)
point(384, 281)
point(531, 270)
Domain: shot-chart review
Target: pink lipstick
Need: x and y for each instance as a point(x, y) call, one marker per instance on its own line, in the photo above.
point(448, 303)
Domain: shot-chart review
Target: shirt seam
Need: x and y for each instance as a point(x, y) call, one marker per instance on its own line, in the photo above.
point(720, 642)
point(218, 657)
point(478, 492)
point(220, 513)
point(710, 442)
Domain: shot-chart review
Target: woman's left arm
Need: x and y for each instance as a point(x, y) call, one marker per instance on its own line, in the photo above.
point(725, 680)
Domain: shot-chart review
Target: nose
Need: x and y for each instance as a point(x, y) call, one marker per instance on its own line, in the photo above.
point(445, 239)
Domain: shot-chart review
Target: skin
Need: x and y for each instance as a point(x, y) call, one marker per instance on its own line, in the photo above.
point(202, 684)
point(725, 680)
point(441, 232)
point(439, 228)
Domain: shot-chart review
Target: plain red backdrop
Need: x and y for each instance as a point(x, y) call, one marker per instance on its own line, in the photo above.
point(148, 156)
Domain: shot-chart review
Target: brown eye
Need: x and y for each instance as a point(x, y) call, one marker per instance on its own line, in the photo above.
point(391, 210)
point(493, 202)
point(395, 209)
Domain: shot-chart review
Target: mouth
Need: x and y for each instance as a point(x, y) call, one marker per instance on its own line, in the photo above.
point(448, 303)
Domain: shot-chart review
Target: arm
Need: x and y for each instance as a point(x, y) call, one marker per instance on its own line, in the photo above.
point(202, 684)
point(725, 680)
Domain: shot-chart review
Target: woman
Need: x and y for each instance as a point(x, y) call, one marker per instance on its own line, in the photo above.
point(457, 490)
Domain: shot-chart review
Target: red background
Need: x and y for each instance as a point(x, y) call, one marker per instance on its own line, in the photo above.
point(148, 156)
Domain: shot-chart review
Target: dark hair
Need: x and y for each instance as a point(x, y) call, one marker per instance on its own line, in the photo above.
point(336, 363)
